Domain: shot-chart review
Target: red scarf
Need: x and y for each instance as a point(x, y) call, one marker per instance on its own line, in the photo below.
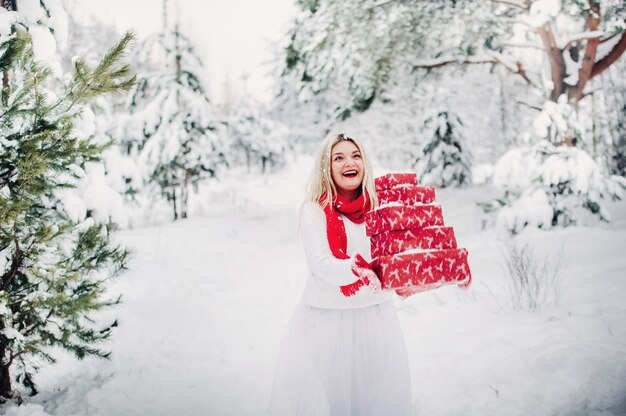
point(336, 231)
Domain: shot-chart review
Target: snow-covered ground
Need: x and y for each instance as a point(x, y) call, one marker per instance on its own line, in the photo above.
point(206, 301)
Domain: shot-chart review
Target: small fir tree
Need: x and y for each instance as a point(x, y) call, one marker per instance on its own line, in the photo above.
point(170, 126)
point(549, 184)
point(444, 159)
point(256, 137)
point(54, 261)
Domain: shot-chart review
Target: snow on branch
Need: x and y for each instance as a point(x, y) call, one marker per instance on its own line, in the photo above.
point(610, 37)
point(491, 57)
point(610, 57)
point(518, 4)
point(594, 34)
point(443, 61)
point(503, 60)
point(523, 45)
point(381, 3)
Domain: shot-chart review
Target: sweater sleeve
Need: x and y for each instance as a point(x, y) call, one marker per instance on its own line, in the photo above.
point(322, 263)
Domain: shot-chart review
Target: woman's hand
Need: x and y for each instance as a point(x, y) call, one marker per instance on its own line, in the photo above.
point(363, 270)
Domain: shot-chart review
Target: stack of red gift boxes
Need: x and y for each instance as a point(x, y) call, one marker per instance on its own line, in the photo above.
point(412, 249)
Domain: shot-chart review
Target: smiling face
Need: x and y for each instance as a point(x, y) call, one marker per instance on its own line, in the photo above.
point(346, 168)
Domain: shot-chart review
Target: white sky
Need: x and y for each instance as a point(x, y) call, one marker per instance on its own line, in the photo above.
point(233, 37)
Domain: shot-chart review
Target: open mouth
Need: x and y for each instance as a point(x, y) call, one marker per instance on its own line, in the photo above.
point(350, 174)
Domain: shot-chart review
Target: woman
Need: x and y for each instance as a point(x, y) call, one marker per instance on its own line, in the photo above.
point(343, 352)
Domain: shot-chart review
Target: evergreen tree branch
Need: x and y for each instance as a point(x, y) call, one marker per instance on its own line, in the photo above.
point(16, 264)
point(89, 83)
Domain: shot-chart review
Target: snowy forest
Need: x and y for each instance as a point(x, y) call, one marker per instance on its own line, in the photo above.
point(149, 226)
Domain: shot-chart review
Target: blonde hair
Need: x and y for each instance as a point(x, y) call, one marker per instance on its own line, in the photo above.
point(321, 181)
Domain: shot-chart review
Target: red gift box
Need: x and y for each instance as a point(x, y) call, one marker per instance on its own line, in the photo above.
point(397, 241)
point(412, 250)
point(402, 218)
point(407, 195)
point(392, 180)
point(426, 270)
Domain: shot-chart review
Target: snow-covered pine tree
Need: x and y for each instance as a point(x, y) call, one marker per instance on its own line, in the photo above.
point(548, 184)
point(170, 126)
point(443, 159)
point(55, 258)
point(104, 187)
point(256, 137)
point(343, 55)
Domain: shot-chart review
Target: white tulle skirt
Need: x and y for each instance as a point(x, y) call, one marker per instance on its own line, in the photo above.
point(342, 362)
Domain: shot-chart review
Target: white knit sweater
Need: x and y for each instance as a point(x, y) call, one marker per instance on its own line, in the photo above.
point(326, 272)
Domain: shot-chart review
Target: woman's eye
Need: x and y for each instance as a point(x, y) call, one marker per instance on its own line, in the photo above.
point(357, 156)
point(337, 158)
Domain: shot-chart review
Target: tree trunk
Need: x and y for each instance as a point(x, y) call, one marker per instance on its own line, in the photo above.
point(589, 56)
point(174, 204)
point(557, 63)
point(165, 22)
point(6, 392)
point(5, 376)
point(11, 6)
point(185, 194)
point(503, 111)
point(594, 133)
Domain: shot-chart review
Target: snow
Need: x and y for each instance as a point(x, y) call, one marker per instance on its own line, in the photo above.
point(206, 301)
point(47, 24)
point(31, 11)
point(571, 68)
point(45, 48)
point(104, 201)
point(481, 173)
point(4, 309)
point(511, 170)
point(58, 21)
point(28, 409)
point(11, 333)
point(531, 209)
point(575, 37)
point(85, 125)
point(73, 205)
point(543, 11)
point(7, 19)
